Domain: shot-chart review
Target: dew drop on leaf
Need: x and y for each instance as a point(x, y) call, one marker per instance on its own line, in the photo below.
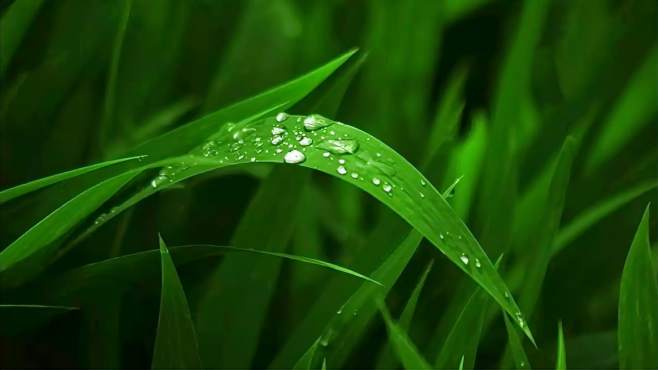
point(294, 157)
point(341, 170)
point(339, 146)
point(464, 259)
point(281, 117)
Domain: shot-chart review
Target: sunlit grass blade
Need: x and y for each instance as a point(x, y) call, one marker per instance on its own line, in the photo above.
point(636, 108)
point(516, 347)
point(404, 347)
point(35, 185)
point(590, 216)
point(13, 24)
point(637, 330)
point(385, 359)
point(561, 360)
point(176, 341)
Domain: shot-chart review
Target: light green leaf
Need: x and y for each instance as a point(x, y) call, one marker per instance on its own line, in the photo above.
point(515, 346)
point(561, 360)
point(404, 347)
point(637, 332)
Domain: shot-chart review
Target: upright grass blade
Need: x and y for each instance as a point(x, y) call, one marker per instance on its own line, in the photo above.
point(13, 24)
point(590, 216)
point(636, 108)
point(516, 347)
point(637, 332)
point(175, 342)
point(561, 360)
point(404, 347)
point(386, 359)
point(230, 321)
point(17, 191)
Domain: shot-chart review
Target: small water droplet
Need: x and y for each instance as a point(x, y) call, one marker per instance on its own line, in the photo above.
point(387, 188)
point(519, 319)
point(281, 117)
point(241, 134)
point(279, 150)
point(326, 154)
point(339, 146)
point(354, 175)
point(423, 183)
point(253, 159)
point(464, 258)
point(277, 140)
point(441, 236)
point(477, 263)
point(294, 157)
point(341, 170)
point(341, 161)
point(376, 181)
point(305, 141)
point(422, 195)
point(315, 122)
point(209, 149)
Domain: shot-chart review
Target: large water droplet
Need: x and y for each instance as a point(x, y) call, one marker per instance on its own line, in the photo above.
point(278, 130)
point(387, 188)
point(354, 175)
point(281, 117)
point(376, 181)
point(294, 157)
point(305, 141)
point(243, 133)
point(339, 146)
point(341, 170)
point(464, 259)
point(277, 140)
point(316, 122)
point(326, 154)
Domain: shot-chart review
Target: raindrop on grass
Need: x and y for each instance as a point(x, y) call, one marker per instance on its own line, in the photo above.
point(376, 181)
point(305, 141)
point(339, 146)
point(326, 154)
point(341, 161)
point(354, 175)
point(316, 122)
point(422, 182)
point(294, 157)
point(245, 132)
point(387, 188)
point(341, 170)
point(277, 140)
point(477, 263)
point(464, 259)
point(281, 117)
point(278, 130)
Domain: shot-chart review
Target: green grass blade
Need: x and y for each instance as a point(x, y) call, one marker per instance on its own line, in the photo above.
point(638, 304)
point(590, 216)
point(35, 185)
point(636, 108)
point(13, 24)
point(59, 222)
point(176, 341)
point(19, 318)
point(516, 347)
point(404, 347)
point(386, 359)
point(561, 361)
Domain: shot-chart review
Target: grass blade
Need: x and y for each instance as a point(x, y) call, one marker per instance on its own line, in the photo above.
point(589, 217)
point(19, 318)
point(404, 347)
point(561, 361)
point(516, 347)
point(175, 342)
point(638, 304)
point(13, 25)
point(17, 191)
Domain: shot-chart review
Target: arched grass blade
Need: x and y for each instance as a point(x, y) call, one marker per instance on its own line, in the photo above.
point(13, 24)
point(589, 217)
point(404, 347)
point(637, 330)
point(175, 342)
point(35, 185)
point(561, 360)
point(20, 318)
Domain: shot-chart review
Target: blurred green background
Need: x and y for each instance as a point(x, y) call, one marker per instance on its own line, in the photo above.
point(87, 80)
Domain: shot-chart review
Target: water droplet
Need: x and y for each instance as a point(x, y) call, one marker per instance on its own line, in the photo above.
point(209, 149)
point(422, 195)
point(253, 159)
point(340, 311)
point(519, 319)
point(277, 140)
point(341, 170)
point(376, 181)
point(278, 130)
point(278, 150)
point(423, 183)
point(441, 236)
point(326, 154)
point(281, 117)
point(315, 122)
point(477, 263)
point(464, 258)
point(387, 188)
point(294, 157)
point(158, 180)
point(341, 161)
point(305, 141)
point(522, 363)
point(241, 134)
point(354, 175)
point(339, 146)
point(507, 295)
